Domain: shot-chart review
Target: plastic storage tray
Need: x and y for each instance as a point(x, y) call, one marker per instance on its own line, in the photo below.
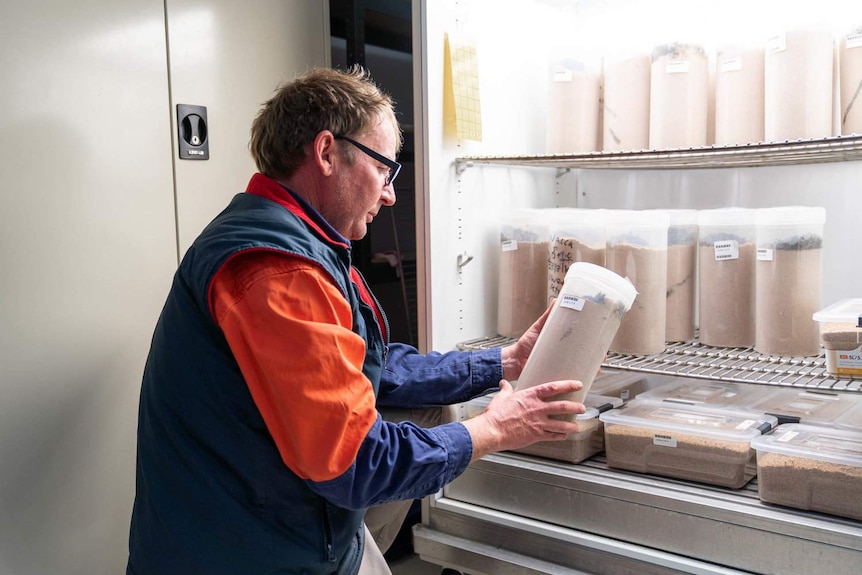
point(588, 441)
point(623, 384)
point(705, 392)
point(811, 467)
point(693, 442)
point(841, 336)
point(812, 407)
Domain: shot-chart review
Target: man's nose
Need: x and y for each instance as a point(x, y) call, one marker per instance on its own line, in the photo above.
point(388, 195)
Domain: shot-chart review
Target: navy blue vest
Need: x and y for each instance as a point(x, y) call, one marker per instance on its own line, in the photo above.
point(213, 495)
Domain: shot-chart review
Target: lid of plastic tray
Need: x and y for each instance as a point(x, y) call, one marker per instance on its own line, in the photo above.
point(721, 422)
point(814, 442)
point(814, 406)
point(705, 392)
point(595, 405)
point(851, 419)
point(844, 311)
point(610, 381)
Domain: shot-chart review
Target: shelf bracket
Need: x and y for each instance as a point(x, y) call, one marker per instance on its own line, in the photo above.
point(461, 166)
point(562, 172)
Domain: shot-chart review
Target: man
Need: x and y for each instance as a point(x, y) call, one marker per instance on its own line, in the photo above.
point(259, 441)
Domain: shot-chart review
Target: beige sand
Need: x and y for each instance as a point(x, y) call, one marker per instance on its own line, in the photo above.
point(727, 297)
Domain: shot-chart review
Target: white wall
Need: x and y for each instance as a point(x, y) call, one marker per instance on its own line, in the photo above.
point(88, 236)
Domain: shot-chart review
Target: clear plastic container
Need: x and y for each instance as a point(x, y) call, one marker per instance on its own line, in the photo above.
point(692, 442)
point(811, 468)
point(583, 444)
point(625, 113)
point(726, 289)
point(841, 335)
point(850, 56)
point(851, 419)
point(637, 250)
point(682, 236)
point(739, 95)
point(789, 280)
point(625, 385)
point(693, 391)
point(573, 107)
point(583, 321)
point(679, 96)
point(523, 280)
point(810, 407)
point(798, 70)
point(576, 235)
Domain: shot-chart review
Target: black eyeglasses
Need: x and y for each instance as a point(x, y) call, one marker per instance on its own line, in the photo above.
point(394, 167)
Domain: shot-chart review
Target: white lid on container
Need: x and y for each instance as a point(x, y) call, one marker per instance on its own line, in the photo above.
point(732, 216)
point(840, 446)
point(716, 422)
point(693, 391)
point(595, 405)
point(851, 419)
point(791, 216)
point(844, 311)
point(604, 281)
point(818, 407)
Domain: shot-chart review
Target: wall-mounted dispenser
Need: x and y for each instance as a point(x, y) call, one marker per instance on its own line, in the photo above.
point(192, 131)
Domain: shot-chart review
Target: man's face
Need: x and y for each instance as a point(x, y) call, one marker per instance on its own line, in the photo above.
point(362, 189)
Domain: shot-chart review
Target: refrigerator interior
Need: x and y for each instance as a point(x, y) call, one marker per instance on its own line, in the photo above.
point(516, 513)
point(465, 202)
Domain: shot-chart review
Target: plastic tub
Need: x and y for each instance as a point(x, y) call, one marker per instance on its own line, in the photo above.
point(811, 468)
point(679, 96)
point(697, 443)
point(573, 108)
point(788, 275)
point(586, 442)
point(707, 392)
point(637, 250)
point(841, 336)
point(523, 277)
point(625, 385)
point(682, 234)
point(582, 323)
point(625, 113)
point(726, 289)
point(576, 235)
point(810, 407)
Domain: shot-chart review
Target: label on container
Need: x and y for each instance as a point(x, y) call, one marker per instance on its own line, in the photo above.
point(726, 250)
point(787, 436)
point(624, 394)
point(664, 440)
point(572, 302)
point(776, 44)
point(510, 245)
point(765, 255)
point(563, 76)
point(745, 424)
point(676, 67)
point(731, 65)
point(853, 41)
point(849, 362)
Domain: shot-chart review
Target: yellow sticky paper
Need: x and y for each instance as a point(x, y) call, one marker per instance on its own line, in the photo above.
point(462, 105)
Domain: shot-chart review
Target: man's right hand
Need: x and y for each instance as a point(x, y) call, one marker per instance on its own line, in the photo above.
point(516, 419)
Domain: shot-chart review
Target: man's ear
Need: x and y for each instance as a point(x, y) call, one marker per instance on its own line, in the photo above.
point(323, 151)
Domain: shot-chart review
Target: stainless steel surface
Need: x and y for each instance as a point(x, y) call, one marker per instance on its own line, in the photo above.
point(542, 500)
point(796, 152)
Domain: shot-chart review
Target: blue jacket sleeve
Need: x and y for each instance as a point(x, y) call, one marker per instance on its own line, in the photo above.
point(400, 461)
point(416, 380)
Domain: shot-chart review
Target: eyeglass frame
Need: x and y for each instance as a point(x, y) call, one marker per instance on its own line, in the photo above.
point(394, 167)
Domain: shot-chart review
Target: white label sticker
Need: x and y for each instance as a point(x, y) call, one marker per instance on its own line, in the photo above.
point(572, 302)
point(664, 440)
point(849, 362)
point(726, 250)
point(624, 394)
point(563, 76)
point(787, 436)
point(510, 245)
point(676, 67)
point(746, 424)
point(776, 44)
point(764, 255)
point(853, 41)
point(731, 65)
